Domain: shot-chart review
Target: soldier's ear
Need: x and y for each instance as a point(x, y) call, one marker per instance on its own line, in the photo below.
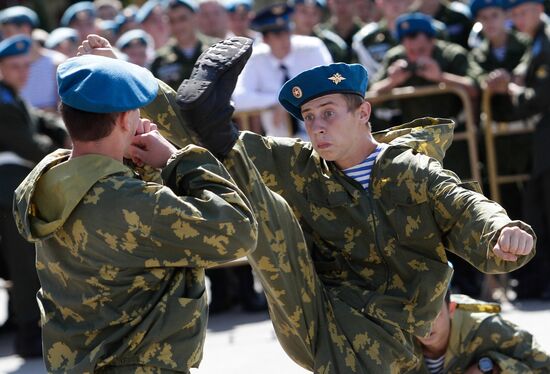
point(365, 110)
point(452, 308)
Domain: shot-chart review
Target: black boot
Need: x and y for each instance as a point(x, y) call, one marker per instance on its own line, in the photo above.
point(204, 98)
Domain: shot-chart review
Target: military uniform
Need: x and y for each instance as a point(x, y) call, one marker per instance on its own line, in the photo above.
point(478, 330)
point(350, 56)
point(120, 257)
point(335, 44)
point(371, 44)
point(535, 100)
point(455, 16)
point(508, 162)
point(451, 58)
point(145, 306)
point(172, 66)
point(352, 275)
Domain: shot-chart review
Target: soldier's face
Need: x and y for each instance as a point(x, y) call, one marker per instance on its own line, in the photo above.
point(212, 19)
point(306, 16)
point(137, 54)
point(493, 20)
point(11, 29)
point(182, 22)
point(419, 45)
point(526, 17)
point(441, 330)
point(279, 42)
point(337, 133)
point(15, 70)
point(393, 8)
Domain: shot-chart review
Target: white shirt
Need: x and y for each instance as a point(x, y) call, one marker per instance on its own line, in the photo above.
point(261, 79)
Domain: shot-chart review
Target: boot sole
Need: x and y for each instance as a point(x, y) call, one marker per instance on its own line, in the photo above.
point(210, 67)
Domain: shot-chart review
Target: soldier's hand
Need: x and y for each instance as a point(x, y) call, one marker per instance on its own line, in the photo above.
point(398, 72)
point(429, 69)
point(96, 45)
point(512, 243)
point(497, 81)
point(151, 148)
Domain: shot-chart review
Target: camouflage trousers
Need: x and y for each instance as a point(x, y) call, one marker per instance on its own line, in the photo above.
point(316, 329)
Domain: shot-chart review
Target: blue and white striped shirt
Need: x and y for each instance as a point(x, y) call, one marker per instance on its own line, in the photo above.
point(361, 172)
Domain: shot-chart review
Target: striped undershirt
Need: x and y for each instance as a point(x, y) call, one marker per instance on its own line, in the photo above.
point(435, 365)
point(361, 172)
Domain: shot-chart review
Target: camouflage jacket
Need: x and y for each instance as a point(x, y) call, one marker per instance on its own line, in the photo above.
point(381, 250)
point(121, 260)
point(478, 330)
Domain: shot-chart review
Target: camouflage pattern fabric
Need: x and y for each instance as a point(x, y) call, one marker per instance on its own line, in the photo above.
point(351, 275)
point(121, 260)
point(478, 330)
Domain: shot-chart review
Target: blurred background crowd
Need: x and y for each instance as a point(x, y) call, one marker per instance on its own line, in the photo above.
point(484, 63)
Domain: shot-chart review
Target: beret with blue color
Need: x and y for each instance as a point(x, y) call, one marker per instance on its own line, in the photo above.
point(320, 81)
point(104, 85)
point(272, 18)
point(146, 10)
point(15, 46)
point(509, 4)
point(190, 4)
point(414, 23)
point(477, 5)
point(61, 34)
point(72, 12)
point(133, 36)
point(19, 15)
point(233, 6)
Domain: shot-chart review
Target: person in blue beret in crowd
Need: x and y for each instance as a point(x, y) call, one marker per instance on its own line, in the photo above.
point(27, 136)
point(64, 40)
point(354, 226)
point(152, 18)
point(138, 46)
point(121, 245)
point(174, 61)
point(240, 15)
point(307, 16)
point(80, 16)
point(40, 89)
point(528, 89)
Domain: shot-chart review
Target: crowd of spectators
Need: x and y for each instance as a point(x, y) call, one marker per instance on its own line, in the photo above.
point(496, 45)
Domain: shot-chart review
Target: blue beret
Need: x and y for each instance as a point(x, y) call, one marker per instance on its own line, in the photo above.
point(234, 5)
point(72, 12)
point(272, 18)
point(15, 45)
point(320, 81)
point(108, 25)
point(413, 23)
point(104, 85)
point(145, 10)
point(509, 4)
point(477, 5)
point(190, 4)
point(320, 3)
point(61, 34)
point(133, 36)
point(19, 15)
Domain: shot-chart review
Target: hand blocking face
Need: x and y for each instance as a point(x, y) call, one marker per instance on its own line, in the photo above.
point(149, 147)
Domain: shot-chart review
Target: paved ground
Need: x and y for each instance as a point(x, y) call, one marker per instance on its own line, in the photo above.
point(246, 344)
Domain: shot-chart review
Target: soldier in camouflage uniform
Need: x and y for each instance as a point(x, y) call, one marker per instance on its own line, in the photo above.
point(174, 61)
point(343, 22)
point(120, 257)
point(453, 14)
point(306, 16)
point(470, 334)
point(500, 52)
point(351, 274)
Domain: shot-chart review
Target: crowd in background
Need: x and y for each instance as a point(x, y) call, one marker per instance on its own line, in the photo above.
point(474, 46)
